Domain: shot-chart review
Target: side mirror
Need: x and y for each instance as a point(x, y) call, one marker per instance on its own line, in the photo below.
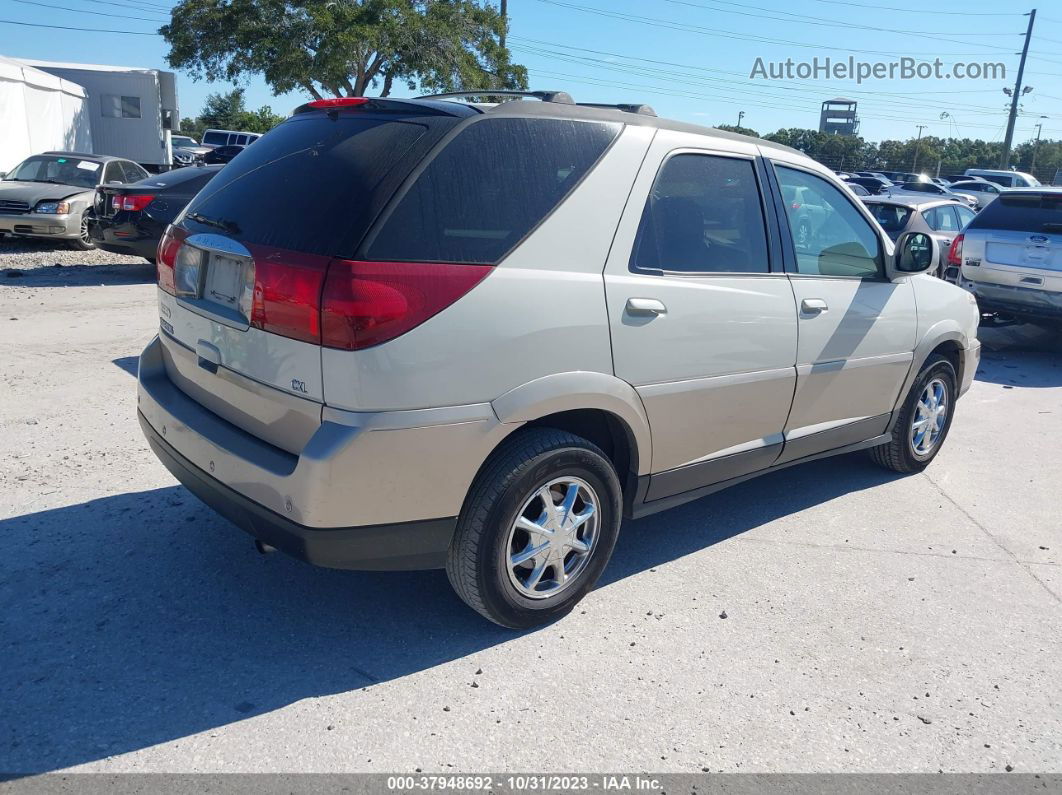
point(916, 252)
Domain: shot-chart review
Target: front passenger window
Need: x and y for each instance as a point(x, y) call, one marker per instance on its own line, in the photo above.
point(830, 236)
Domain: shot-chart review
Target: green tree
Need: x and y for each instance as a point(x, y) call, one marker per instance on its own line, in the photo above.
point(344, 47)
point(223, 111)
point(736, 129)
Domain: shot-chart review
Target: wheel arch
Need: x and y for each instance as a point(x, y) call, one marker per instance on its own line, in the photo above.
point(945, 338)
point(597, 406)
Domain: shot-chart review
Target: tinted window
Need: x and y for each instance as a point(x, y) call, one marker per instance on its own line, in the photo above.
point(488, 188)
point(1022, 212)
point(1006, 182)
point(831, 237)
point(133, 172)
point(703, 215)
point(112, 172)
point(942, 219)
point(892, 217)
point(215, 138)
point(184, 180)
point(922, 187)
point(309, 183)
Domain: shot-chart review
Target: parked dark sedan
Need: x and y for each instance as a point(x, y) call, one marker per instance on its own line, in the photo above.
point(131, 219)
point(222, 154)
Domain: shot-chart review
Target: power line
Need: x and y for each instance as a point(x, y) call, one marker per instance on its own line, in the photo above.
point(717, 33)
point(85, 11)
point(802, 19)
point(877, 7)
point(84, 30)
point(139, 6)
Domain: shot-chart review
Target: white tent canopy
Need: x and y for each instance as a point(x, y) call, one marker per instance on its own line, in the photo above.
point(39, 112)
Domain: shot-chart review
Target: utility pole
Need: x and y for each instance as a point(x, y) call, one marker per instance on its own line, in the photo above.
point(505, 21)
point(914, 165)
point(741, 115)
point(1036, 146)
point(1005, 156)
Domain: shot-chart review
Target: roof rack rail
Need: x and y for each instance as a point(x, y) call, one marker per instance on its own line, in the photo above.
point(642, 110)
point(561, 97)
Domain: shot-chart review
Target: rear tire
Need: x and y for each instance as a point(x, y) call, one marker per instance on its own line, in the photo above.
point(520, 562)
point(920, 430)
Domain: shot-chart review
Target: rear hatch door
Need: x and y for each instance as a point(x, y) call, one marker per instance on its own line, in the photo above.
point(1016, 241)
point(243, 267)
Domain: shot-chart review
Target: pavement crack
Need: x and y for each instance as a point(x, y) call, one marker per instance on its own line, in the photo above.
point(992, 537)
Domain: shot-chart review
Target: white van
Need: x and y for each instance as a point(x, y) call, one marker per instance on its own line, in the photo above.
point(1008, 179)
point(215, 138)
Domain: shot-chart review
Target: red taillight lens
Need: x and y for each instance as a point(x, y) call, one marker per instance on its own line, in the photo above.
point(955, 252)
point(287, 293)
point(795, 205)
point(338, 102)
point(166, 256)
point(137, 202)
point(367, 303)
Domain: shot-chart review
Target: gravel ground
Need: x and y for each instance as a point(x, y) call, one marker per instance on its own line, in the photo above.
point(27, 253)
point(830, 618)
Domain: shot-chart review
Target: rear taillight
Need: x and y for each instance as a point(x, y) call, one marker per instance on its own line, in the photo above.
point(955, 252)
point(166, 257)
point(367, 303)
point(287, 293)
point(135, 203)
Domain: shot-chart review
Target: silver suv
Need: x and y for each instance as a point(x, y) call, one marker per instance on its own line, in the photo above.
point(403, 334)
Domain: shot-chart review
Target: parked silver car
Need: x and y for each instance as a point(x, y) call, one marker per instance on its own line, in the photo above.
point(941, 219)
point(927, 189)
point(535, 318)
point(50, 195)
point(980, 190)
point(1010, 256)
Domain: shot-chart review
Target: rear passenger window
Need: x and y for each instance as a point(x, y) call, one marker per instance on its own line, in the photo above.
point(704, 215)
point(942, 219)
point(830, 236)
point(488, 188)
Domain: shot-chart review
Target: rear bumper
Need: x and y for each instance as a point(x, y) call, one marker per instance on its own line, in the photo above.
point(374, 490)
point(1025, 302)
point(408, 545)
point(42, 225)
point(125, 239)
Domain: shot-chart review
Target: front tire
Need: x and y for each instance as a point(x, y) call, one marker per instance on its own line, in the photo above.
point(84, 240)
point(924, 420)
point(537, 529)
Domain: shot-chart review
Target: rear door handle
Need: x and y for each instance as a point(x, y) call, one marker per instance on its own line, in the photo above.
point(813, 306)
point(645, 307)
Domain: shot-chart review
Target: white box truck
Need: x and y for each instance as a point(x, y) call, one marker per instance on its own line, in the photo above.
point(131, 111)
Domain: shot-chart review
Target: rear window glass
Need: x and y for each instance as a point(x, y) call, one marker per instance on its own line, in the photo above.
point(216, 138)
point(488, 188)
point(178, 176)
point(308, 185)
point(892, 217)
point(1022, 212)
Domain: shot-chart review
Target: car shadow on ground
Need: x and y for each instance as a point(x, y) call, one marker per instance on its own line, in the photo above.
point(108, 274)
point(131, 364)
point(1021, 355)
point(142, 618)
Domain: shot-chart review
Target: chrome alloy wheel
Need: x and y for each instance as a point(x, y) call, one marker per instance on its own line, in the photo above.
point(931, 414)
point(86, 238)
point(553, 537)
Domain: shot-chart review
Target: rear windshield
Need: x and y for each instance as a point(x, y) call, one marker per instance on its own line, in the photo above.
point(892, 217)
point(309, 184)
point(179, 176)
point(488, 188)
point(1022, 212)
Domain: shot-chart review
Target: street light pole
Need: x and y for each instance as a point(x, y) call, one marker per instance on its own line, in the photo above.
point(914, 165)
point(1036, 146)
point(1005, 155)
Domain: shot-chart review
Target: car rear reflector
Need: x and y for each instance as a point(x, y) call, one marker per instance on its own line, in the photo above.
point(338, 102)
point(367, 303)
point(166, 256)
point(955, 252)
point(287, 292)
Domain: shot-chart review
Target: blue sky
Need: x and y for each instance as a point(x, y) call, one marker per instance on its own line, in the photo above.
point(690, 59)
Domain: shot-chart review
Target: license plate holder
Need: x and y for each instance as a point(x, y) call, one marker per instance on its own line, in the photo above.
point(224, 281)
